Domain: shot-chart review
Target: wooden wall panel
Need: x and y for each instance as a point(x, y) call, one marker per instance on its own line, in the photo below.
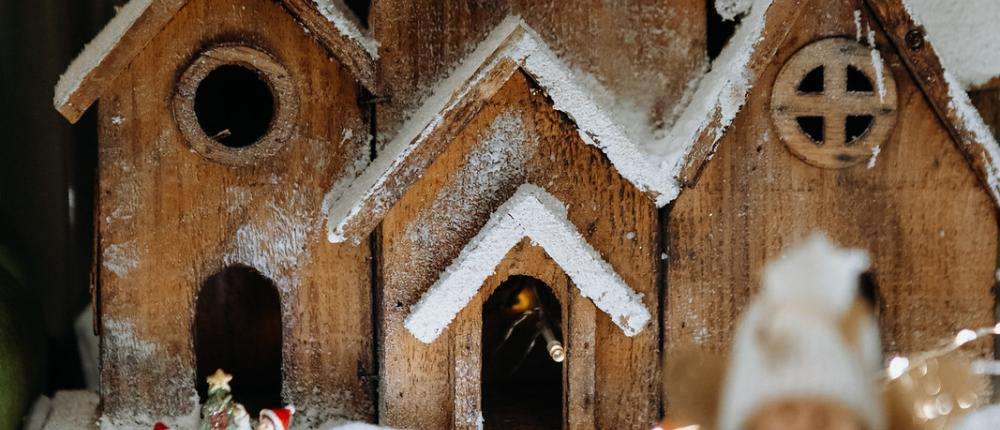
point(920, 210)
point(516, 138)
point(169, 218)
point(645, 51)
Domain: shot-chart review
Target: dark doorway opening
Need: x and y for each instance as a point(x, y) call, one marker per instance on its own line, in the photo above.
point(238, 329)
point(522, 382)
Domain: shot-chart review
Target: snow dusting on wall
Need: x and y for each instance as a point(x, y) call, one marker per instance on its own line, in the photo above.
point(535, 214)
point(121, 258)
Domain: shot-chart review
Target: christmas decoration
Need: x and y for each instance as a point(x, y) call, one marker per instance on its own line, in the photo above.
point(220, 412)
point(462, 158)
point(806, 347)
point(276, 419)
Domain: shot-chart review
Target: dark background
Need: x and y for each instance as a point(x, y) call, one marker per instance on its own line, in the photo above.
point(47, 166)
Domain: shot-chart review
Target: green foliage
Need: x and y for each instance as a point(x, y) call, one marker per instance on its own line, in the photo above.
point(22, 343)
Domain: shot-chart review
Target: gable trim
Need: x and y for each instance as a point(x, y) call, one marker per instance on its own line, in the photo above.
point(535, 214)
point(727, 85)
point(140, 21)
point(510, 47)
point(944, 93)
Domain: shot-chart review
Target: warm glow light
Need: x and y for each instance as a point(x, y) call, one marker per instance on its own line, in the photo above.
point(965, 336)
point(898, 366)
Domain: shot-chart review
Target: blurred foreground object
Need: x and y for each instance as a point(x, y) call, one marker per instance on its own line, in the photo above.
point(807, 348)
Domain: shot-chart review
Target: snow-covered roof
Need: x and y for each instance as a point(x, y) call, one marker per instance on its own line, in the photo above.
point(509, 47)
point(139, 21)
point(944, 91)
point(537, 215)
point(763, 30)
point(964, 33)
point(653, 164)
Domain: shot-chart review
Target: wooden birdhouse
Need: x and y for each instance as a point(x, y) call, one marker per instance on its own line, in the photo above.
point(387, 236)
point(223, 124)
point(489, 190)
point(850, 125)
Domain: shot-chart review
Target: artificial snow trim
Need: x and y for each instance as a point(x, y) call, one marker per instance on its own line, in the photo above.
point(718, 96)
point(96, 52)
point(137, 23)
point(537, 215)
point(333, 11)
point(511, 41)
point(959, 31)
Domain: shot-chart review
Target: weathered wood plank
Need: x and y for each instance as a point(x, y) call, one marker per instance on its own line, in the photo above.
point(169, 218)
point(928, 222)
point(516, 138)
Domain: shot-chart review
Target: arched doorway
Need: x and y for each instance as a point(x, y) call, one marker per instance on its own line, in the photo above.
point(238, 328)
point(522, 382)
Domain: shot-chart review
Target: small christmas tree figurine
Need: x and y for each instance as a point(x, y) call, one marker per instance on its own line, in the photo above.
point(220, 412)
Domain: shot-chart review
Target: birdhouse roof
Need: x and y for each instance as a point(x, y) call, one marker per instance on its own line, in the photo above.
point(139, 21)
point(537, 215)
point(510, 47)
point(957, 30)
point(767, 32)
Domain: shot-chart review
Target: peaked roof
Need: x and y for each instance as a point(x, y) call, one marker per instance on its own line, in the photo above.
point(944, 93)
point(535, 214)
point(139, 21)
point(960, 31)
point(655, 167)
point(510, 47)
point(663, 165)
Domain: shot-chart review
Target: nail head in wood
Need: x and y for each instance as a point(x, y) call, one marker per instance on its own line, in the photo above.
point(915, 39)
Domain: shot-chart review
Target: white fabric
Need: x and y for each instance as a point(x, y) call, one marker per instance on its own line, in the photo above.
point(790, 345)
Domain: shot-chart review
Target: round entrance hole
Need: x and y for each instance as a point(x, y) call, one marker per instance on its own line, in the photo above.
point(234, 106)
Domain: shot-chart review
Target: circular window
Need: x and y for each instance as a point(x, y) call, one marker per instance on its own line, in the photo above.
point(235, 105)
point(833, 102)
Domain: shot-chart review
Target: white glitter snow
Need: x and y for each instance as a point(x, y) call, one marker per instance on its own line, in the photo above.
point(535, 214)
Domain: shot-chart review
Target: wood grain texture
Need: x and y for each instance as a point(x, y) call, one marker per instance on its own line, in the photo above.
point(928, 222)
point(921, 59)
point(425, 148)
point(516, 138)
point(348, 51)
point(97, 81)
point(644, 51)
point(169, 218)
point(155, 17)
point(775, 32)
